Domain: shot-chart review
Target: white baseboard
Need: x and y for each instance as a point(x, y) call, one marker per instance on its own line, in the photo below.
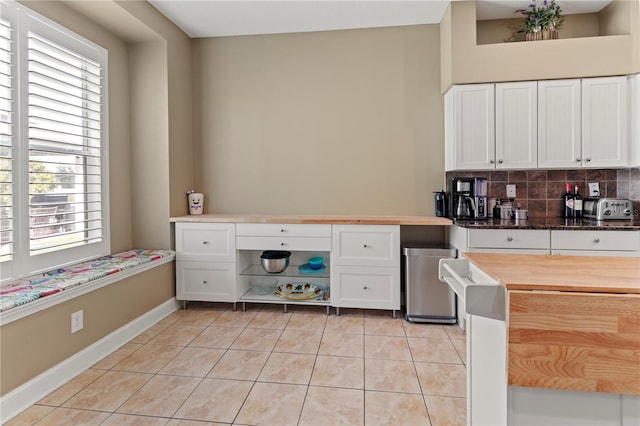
point(37, 388)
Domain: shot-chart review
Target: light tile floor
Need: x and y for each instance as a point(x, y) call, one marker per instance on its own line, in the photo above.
point(210, 365)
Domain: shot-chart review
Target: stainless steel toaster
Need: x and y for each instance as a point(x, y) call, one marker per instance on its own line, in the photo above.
point(607, 209)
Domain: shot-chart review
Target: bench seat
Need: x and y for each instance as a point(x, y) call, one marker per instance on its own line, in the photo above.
point(29, 289)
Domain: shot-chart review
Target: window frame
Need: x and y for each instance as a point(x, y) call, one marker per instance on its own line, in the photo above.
point(23, 21)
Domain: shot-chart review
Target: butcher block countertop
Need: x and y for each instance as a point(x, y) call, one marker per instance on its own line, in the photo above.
point(573, 322)
point(327, 219)
point(589, 274)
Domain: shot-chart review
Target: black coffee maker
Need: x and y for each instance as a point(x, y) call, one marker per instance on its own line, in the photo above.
point(468, 198)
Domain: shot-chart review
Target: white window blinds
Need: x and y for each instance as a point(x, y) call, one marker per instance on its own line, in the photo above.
point(65, 125)
point(53, 145)
point(6, 148)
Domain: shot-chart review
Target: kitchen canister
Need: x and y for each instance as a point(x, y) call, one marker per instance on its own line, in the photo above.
point(196, 202)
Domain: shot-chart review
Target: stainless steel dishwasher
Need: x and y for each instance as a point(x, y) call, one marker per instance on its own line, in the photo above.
point(426, 298)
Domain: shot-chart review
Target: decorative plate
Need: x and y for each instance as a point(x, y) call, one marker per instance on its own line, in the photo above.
point(298, 291)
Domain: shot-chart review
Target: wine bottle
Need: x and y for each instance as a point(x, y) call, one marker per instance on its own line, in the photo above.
point(577, 203)
point(567, 203)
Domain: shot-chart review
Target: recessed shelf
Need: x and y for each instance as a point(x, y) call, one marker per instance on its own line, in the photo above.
point(291, 271)
point(251, 296)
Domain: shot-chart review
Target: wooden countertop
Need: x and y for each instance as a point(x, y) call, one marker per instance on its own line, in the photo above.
point(327, 219)
point(561, 273)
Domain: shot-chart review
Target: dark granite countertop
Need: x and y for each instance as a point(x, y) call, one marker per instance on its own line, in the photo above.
point(550, 223)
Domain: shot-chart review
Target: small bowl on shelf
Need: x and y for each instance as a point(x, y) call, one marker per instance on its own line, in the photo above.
point(263, 285)
point(315, 262)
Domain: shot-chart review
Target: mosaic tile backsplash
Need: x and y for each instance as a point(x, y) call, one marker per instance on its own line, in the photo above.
point(540, 191)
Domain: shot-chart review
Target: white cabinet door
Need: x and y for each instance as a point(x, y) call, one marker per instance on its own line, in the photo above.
point(474, 126)
point(206, 281)
point(516, 125)
point(559, 131)
point(366, 288)
point(596, 243)
point(633, 85)
point(604, 122)
point(206, 242)
point(509, 239)
point(366, 245)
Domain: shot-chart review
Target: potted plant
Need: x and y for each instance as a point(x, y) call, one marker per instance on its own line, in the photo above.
point(541, 21)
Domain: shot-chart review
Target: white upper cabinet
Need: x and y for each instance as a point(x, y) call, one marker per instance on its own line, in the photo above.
point(543, 124)
point(469, 127)
point(633, 84)
point(559, 138)
point(516, 125)
point(604, 122)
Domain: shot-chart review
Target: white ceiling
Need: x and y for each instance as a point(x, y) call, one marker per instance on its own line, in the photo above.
point(217, 18)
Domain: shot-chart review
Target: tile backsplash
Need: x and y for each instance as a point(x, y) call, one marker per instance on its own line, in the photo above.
point(540, 191)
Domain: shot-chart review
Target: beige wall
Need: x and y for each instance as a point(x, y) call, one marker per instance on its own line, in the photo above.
point(38, 342)
point(150, 154)
point(565, 58)
point(328, 122)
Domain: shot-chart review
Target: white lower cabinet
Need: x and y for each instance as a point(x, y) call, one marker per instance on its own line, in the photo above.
point(367, 288)
point(217, 261)
point(206, 262)
point(365, 267)
point(206, 281)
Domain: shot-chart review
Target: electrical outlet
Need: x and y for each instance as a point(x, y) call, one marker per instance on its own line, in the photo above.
point(594, 189)
point(511, 191)
point(76, 321)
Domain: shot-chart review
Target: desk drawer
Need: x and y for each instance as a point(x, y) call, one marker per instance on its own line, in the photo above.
point(283, 230)
point(596, 240)
point(509, 238)
point(206, 242)
point(377, 245)
point(283, 243)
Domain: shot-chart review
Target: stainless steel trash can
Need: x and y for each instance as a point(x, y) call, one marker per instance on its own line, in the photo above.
point(427, 299)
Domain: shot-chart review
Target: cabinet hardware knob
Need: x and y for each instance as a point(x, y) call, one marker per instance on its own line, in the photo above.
point(365, 246)
point(509, 238)
point(596, 240)
point(365, 287)
point(491, 161)
point(578, 160)
point(283, 244)
point(500, 161)
point(205, 243)
point(282, 230)
point(588, 159)
point(205, 282)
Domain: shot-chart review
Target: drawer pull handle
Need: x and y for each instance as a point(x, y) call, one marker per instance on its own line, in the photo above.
point(596, 240)
point(206, 243)
point(509, 238)
point(283, 230)
point(282, 244)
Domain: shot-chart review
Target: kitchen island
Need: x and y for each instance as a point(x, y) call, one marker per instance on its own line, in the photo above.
point(550, 339)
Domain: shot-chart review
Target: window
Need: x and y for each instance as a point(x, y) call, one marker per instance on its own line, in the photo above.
point(53, 145)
